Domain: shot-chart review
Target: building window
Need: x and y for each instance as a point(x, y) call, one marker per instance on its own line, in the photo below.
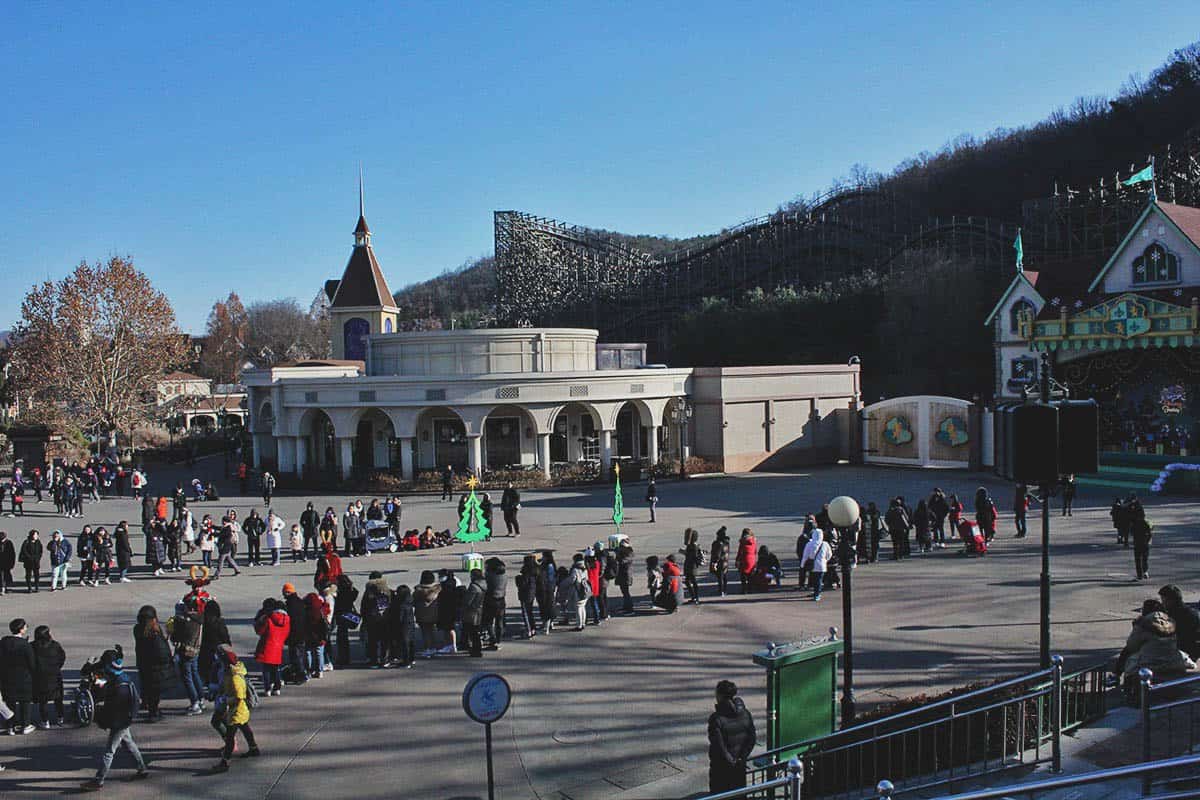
point(387, 325)
point(1020, 308)
point(354, 338)
point(1156, 264)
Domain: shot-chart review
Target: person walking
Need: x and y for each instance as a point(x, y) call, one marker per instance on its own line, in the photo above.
point(693, 559)
point(124, 551)
point(186, 630)
point(213, 633)
point(1021, 509)
point(237, 708)
point(938, 509)
point(268, 488)
point(731, 739)
point(31, 560)
point(718, 560)
point(8, 560)
point(153, 652)
point(60, 560)
point(898, 524)
point(1141, 531)
point(49, 659)
point(225, 548)
point(747, 557)
point(448, 483)
point(818, 552)
point(117, 708)
point(652, 498)
point(17, 668)
point(510, 504)
point(310, 522)
point(985, 513)
point(921, 524)
point(1068, 495)
point(472, 613)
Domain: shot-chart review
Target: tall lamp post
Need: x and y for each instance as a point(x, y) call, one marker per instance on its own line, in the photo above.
point(681, 412)
point(844, 514)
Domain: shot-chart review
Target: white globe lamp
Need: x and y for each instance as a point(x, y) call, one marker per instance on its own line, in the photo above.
point(843, 511)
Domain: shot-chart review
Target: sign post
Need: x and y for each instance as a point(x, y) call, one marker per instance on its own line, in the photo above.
point(485, 699)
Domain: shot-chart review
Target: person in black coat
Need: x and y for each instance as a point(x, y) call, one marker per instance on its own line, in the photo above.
point(510, 504)
point(731, 738)
point(297, 640)
point(449, 604)
point(124, 551)
point(344, 603)
point(495, 603)
point(155, 667)
point(1186, 619)
point(213, 635)
point(31, 559)
point(17, 668)
point(527, 593)
point(8, 560)
point(547, 586)
point(49, 657)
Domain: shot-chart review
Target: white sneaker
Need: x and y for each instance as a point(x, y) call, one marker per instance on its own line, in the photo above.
point(126, 580)
point(106, 582)
point(329, 667)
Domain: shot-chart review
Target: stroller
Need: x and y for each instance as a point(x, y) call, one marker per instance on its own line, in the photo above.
point(91, 680)
point(379, 536)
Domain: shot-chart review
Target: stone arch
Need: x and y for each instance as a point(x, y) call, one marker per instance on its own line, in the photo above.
point(265, 418)
point(441, 439)
point(505, 445)
point(631, 425)
point(319, 446)
point(575, 432)
point(374, 441)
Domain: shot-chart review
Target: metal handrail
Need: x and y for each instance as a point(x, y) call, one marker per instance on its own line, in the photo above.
point(949, 701)
point(1146, 690)
point(885, 788)
point(792, 780)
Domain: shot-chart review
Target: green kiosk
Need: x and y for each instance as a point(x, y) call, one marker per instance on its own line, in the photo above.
point(801, 691)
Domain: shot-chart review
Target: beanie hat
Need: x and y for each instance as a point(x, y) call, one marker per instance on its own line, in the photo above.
point(289, 588)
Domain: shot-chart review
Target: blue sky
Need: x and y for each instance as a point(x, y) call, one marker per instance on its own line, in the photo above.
point(219, 144)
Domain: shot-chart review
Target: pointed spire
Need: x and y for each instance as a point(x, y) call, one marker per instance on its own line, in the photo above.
point(362, 234)
point(1019, 247)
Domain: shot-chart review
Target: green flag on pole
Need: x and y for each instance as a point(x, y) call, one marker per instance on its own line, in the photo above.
point(618, 515)
point(1146, 174)
point(1020, 252)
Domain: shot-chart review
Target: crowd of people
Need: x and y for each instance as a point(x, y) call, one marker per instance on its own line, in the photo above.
point(301, 634)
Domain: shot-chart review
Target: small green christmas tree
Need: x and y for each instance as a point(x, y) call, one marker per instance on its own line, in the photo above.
point(472, 516)
point(618, 515)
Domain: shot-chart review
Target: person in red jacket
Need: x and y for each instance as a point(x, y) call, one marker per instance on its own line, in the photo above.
point(329, 567)
point(747, 558)
point(594, 568)
point(672, 580)
point(272, 625)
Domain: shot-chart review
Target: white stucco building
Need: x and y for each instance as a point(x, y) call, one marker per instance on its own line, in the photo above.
point(529, 397)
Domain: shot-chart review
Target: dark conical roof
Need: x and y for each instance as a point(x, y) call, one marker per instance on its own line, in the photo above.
point(362, 225)
point(362, 283)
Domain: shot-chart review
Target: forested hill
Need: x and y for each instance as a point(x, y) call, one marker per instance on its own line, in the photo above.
point(1090, 140)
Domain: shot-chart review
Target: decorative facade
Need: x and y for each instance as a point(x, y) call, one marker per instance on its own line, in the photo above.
point(1125, 331)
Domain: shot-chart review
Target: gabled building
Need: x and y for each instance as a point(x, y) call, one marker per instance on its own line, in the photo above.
point(1124, 330)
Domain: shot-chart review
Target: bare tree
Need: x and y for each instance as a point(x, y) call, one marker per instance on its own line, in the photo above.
point(95, 344)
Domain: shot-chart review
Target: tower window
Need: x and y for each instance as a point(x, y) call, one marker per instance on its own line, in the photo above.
point(1156, 264)
point(354, 338)
point(1020, 308)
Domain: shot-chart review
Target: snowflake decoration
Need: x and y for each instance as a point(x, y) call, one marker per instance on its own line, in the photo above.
point(1079, 304)
point(1178, 292)
point(1056, 301)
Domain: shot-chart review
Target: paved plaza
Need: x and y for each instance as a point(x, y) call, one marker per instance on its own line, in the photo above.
point(613, 708)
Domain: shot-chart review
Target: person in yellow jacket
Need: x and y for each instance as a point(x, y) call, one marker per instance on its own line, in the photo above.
point(237, 710)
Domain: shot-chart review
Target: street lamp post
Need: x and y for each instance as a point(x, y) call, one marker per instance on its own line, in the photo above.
point(844, 514)
point(681, 412)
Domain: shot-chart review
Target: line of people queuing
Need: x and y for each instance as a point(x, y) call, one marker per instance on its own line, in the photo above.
point(69, 484)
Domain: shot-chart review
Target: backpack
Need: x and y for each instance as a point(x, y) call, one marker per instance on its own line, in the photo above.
point(583, 590)
point(251, 696)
